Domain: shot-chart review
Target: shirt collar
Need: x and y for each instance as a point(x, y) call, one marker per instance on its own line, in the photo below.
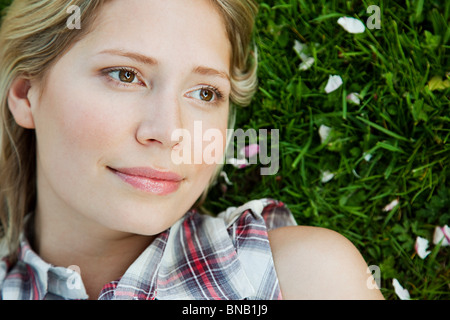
point(38, 280)
point(140, 280)
point(48, 279)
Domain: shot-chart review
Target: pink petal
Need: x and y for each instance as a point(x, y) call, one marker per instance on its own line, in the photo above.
point(354, 97)
point(251, 150)
point(223, 187)
point(442, 233)
point(238, 163)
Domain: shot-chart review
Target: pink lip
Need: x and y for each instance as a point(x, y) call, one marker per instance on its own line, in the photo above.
point(150, 180)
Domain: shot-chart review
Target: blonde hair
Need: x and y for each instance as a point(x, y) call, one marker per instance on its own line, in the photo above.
point(34, 34)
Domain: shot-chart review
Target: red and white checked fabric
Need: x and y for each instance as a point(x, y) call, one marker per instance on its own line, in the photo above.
point(199, 257)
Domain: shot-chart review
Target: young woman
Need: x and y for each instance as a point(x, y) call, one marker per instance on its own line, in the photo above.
point(92, 205)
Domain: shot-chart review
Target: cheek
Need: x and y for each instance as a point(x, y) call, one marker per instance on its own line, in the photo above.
point(203, 142)
point(214, 143)
point(76, 123)
point(214, 140)
point(202, 147)
point(210, 147)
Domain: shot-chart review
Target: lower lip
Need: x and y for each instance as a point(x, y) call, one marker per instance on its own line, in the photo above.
point(154, 186)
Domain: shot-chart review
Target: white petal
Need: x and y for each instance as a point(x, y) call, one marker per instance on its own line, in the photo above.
point(324, 132)
point(356, 174)
point(334, 82)
point(327, 176)
point(300, 48)
point(367, 156)
point(421, 247)
point(391, 205)
point(402, 293)
point(442, 233)
point(306, 64)
point(225, 177)
point(351, 25)
point(354, 97)
point(238, 163)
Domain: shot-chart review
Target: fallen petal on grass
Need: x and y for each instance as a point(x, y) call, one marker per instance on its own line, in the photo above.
point(300, 48)
point(326, 176)
point(368, 157)
point(238, 163)
point(250, 150)
point(305, 65)
point(351, 25)
point(354, 97)
point(334, 82)
point(401, 292)
point(224, 175)
point(442, 234)
point(324, 132)
point(391, 205)
point(421, 247)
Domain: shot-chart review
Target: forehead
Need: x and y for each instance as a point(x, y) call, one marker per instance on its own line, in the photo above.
point(166, 30)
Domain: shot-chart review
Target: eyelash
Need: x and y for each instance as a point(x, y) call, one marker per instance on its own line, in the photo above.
point(107, 73)
point(219, 97)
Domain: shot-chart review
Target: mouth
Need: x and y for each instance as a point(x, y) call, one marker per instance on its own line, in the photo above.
point(149, 180)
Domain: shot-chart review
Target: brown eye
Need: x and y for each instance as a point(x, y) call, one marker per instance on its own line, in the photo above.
point(206, 95)
point(127, 76)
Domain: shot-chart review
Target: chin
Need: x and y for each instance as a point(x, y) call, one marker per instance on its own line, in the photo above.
point(146, 222)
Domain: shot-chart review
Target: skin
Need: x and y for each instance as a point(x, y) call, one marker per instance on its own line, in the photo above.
point(317, 263)
point(88, 119)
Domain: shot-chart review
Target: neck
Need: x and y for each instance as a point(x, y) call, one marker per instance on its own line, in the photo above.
point(101, 255)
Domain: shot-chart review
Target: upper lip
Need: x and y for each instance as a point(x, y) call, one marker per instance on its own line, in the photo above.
point(150, 173)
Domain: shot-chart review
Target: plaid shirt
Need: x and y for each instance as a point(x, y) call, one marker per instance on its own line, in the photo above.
point(199, 257)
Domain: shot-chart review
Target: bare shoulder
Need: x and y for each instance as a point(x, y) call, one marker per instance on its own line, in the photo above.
point(317, 263)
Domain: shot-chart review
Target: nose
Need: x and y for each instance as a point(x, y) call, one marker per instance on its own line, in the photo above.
point(161, 116)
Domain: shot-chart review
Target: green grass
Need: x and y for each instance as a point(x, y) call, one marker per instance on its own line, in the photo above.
point(403, 124)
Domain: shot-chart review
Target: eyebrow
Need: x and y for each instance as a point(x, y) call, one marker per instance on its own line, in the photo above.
point(211, 72)
point(140, 58)
point(131, 55)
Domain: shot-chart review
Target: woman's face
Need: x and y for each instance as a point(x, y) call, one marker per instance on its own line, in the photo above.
point(111, 103)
